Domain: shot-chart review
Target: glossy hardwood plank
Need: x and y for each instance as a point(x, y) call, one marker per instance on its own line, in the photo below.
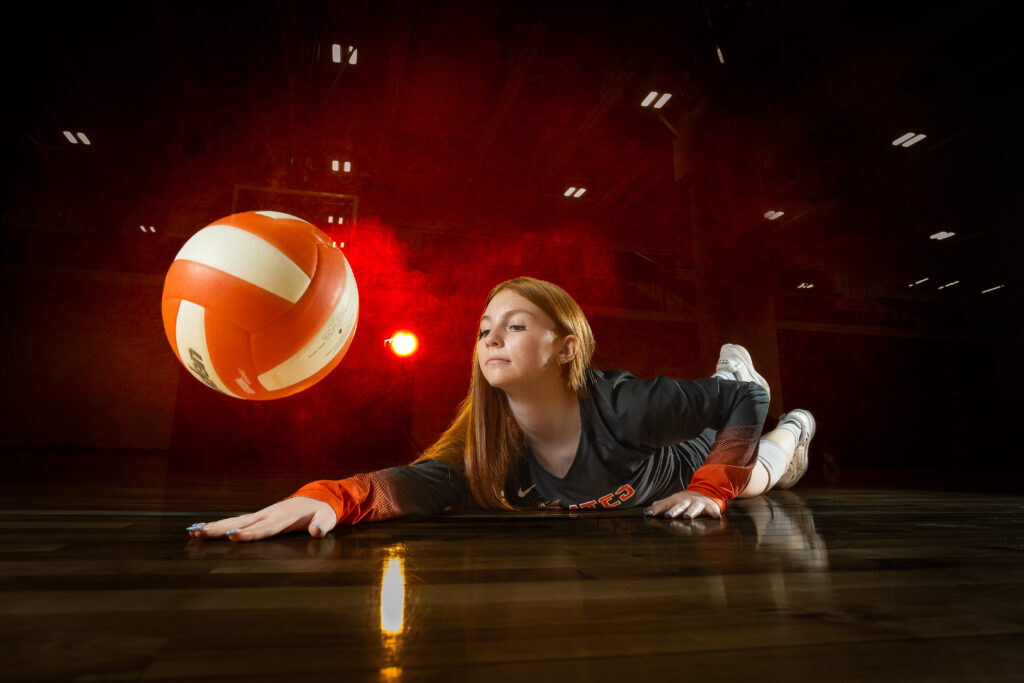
point(855, 585)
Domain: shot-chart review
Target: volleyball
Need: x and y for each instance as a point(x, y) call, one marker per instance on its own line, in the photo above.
point(260, 305)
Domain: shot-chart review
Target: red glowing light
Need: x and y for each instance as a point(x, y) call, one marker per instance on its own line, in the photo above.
point(403, 343)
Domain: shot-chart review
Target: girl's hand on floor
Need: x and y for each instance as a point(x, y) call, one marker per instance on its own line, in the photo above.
point(291, 514)
point(689, 504)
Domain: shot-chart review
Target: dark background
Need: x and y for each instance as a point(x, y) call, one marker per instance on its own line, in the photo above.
point(465, 123)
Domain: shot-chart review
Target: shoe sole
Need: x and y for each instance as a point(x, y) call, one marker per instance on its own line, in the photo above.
point(785, 482)
point(749, 363)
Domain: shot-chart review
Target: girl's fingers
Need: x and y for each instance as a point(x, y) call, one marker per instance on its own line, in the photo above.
point(678, 509)
point(663, 506)
point(653, 510)
point(695, 510)
point(287, 515)
point(686, 506)
point(221, 527)
point(269, 526)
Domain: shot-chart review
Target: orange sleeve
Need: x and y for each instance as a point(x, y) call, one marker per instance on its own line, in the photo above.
point(427, 487)
point(350, 498)
point(720, 483)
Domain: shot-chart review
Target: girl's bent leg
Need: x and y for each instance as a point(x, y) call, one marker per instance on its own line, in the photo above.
point(761, 479)
point(757, 484)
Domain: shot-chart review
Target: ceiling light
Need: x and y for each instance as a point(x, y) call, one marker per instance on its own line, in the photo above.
point(71, 138)
point(336, 53)
point(908, 139)
point(330, 219)
point(85, 140)
point(152, 229)
point(662, 100)
point(805, 285)
point(334, 165)
point(348, 167)
point(353, 55)
point(924, 279)
point(772, 215)
point(721, 59)
point(569, 191)
point(941, 235)
point(579, 192)
point(142, 228)
point(950, 284)
point(992, 289)
point(650, 98)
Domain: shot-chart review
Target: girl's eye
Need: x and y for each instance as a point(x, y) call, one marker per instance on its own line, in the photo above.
point(483, 333)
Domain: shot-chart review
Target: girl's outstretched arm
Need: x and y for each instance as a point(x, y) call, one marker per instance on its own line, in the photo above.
point(423, 488)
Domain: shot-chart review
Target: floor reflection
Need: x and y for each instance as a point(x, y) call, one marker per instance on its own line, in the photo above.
point(392, 604)
point(786, 531)
point(392, 592)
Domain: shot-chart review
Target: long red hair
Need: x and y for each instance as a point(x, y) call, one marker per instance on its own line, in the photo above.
point(484, 439)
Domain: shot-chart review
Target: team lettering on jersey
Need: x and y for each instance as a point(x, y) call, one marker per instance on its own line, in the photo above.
point(621, 495)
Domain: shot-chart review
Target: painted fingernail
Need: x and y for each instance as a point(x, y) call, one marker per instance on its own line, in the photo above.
point(197, 525)
point(687, 516)
point(319, 527)
point(233, 531)
point(648, 512)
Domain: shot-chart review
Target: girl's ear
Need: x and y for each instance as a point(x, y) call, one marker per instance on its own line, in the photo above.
point(570, 345)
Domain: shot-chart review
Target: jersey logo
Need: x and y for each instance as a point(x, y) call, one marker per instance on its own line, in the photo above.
point(622, 494)
point(523, 493)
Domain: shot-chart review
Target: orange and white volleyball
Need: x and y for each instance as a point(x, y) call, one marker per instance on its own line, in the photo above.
point(260, 305)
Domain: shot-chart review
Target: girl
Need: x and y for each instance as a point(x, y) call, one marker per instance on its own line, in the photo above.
point(542, 428)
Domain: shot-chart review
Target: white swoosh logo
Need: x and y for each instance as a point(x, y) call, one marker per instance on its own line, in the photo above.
point(523, 493)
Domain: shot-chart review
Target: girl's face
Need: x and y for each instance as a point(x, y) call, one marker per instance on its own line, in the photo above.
point(517, 343)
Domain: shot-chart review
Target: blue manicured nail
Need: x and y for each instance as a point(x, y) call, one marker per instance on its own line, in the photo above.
point(233, 531)
point(318, 526)
point(197, 525)
point(648, 512)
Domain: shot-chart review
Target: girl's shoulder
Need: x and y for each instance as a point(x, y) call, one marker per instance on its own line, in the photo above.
point(620, 391)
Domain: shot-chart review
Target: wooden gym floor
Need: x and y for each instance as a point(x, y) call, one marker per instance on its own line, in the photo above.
point(835, 585)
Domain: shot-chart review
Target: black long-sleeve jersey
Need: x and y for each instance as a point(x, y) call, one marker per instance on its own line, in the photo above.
point(640, 441)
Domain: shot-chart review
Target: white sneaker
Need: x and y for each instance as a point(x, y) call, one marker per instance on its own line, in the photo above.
point(798, 465)
point(735, 360)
